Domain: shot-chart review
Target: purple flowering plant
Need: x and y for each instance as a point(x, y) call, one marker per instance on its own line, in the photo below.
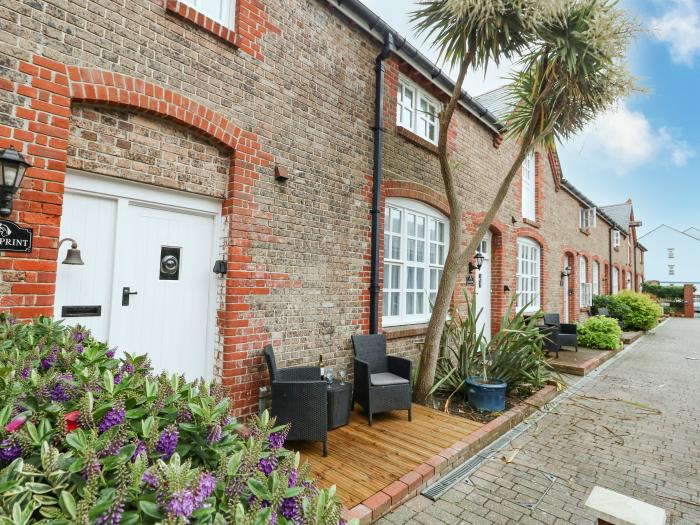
point(118, 443)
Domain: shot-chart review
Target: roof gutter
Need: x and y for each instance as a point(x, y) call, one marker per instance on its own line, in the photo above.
point(367, 20)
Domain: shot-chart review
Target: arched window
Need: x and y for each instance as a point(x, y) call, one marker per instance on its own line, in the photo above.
point(595, 278)
point(416, 238)
point(628, 282)
point(528, 275)
point(615, 280)
point(585, 296)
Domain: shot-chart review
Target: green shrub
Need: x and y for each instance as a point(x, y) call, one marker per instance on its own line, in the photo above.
point(663, 292)
point(514, 354)
point(644, 311)
point(617, 308)
point(89, 438)
point(600, 332)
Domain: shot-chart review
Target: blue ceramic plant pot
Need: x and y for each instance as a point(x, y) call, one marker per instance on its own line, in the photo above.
point(487, 396)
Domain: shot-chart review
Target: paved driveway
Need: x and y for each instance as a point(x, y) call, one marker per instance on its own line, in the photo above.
point(635, 429)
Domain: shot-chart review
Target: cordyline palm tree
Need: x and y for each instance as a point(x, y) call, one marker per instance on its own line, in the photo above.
point(571, 69)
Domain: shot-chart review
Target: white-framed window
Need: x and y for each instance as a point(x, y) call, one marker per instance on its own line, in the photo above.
point(416, 237)
point(586, 295)
point(615, 280)
point(595, 279)
point(222, 11)
point(616, 238)
point(417, 111)
point(672, 269)
point(528, 187)
point(528, 275)
point(628, 281)
point(587, 218)
point(671, 253)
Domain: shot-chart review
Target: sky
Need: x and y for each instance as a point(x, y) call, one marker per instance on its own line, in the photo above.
point(647, 148)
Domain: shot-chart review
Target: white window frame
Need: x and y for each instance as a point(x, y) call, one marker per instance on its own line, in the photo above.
point(226, 11)
point(671, 253)
point(616, 238)
point(616, 280)
point(595, 279)
point(587, 218)
point(528, 274)
point(586, 294)
point(420, 115)
point(527, 187)
point(434, 252)
point(672, 269)
point(628, 280)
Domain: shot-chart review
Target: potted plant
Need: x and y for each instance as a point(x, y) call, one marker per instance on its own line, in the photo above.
point(483, 370)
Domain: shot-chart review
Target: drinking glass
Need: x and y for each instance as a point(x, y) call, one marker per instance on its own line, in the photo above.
point(343, 376)
point(329, 375)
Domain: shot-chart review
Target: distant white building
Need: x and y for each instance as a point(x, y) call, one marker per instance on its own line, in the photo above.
point(673, 256)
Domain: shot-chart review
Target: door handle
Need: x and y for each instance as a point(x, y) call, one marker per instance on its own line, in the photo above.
point(126, 292)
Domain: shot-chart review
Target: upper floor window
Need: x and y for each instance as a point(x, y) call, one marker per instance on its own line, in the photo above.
point(528, 275)
point(415, 246)
point(616, 238)
point(587, 218)
point(671, 253)
point(221, 11)
point(586, 295)
point(417, 111)
point(672, 269)
point(528, 187)
point(595, 278)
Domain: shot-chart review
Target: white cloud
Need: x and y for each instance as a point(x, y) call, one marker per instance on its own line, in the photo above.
point(623, 140)
point(680, 28)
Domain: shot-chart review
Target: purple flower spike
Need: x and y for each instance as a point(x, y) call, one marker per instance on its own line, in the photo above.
point(290, 510)
point(24, 374)
point(214, 435)
point(140, 450)
point(167, 442)
point(10, 450)
point(59, 393)
point(182, 504)
point(113, 516)
point(79, 337)
point(128, 368)
point(117, 378)
point(149, 478)
point(293, 478)
point(110, 353)
point(205, 487)
point(276, 440)
point(114, 417)
point(267, 465)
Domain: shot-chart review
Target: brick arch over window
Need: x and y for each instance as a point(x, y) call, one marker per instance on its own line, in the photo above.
point(535, 235)
point(569, 259)
point(419, 192)
point(44, 111)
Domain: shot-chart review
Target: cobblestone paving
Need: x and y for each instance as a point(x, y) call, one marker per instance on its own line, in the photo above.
point(634, 429)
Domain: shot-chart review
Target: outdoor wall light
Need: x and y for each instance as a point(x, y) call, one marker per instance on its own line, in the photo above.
point(73, 253)
point(565, 273)
point(479, 262)
point(220, 267)
point(12, 168)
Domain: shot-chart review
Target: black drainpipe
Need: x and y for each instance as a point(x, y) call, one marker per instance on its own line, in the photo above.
point(634, 252)
point(377, 181)
point(610, 263)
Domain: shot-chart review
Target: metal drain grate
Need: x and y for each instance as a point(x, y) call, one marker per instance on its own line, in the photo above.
point(442, 485)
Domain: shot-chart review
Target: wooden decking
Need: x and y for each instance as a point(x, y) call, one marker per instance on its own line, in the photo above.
point(362, 460)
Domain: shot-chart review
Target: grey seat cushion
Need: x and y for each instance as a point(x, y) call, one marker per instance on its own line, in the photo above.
point(386, 379)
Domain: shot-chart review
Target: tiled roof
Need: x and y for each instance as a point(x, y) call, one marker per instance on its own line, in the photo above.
point(620, 213)
point(693, 232)
point(498, 101)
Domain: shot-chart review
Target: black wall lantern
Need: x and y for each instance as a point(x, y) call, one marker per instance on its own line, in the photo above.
point(479, 262)
point(220, 267)
point(12, 168)
point(565, 273)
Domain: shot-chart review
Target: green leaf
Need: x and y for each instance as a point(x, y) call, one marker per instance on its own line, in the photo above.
point(258, 489)
point(67, 503)
point(293, 492)
point(150, 509)
point(31, 430)
point(136, 413)
point(108, 381)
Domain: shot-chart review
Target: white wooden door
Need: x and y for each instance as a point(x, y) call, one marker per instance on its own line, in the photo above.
point(159, 243)
point(90, 219)
point(168, 268)
point(482, 287)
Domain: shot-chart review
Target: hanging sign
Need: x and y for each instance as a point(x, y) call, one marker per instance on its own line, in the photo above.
point(14, 238)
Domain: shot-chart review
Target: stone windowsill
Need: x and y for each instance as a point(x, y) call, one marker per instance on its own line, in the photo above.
point(419, 141)
point(399, 332)
point(199, 19)
point(530, 222)
point(585, 231)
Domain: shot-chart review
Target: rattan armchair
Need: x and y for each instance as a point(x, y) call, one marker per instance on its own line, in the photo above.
point(299, 399)
point(566, 332)
point(382, 382)
point(550, 339)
